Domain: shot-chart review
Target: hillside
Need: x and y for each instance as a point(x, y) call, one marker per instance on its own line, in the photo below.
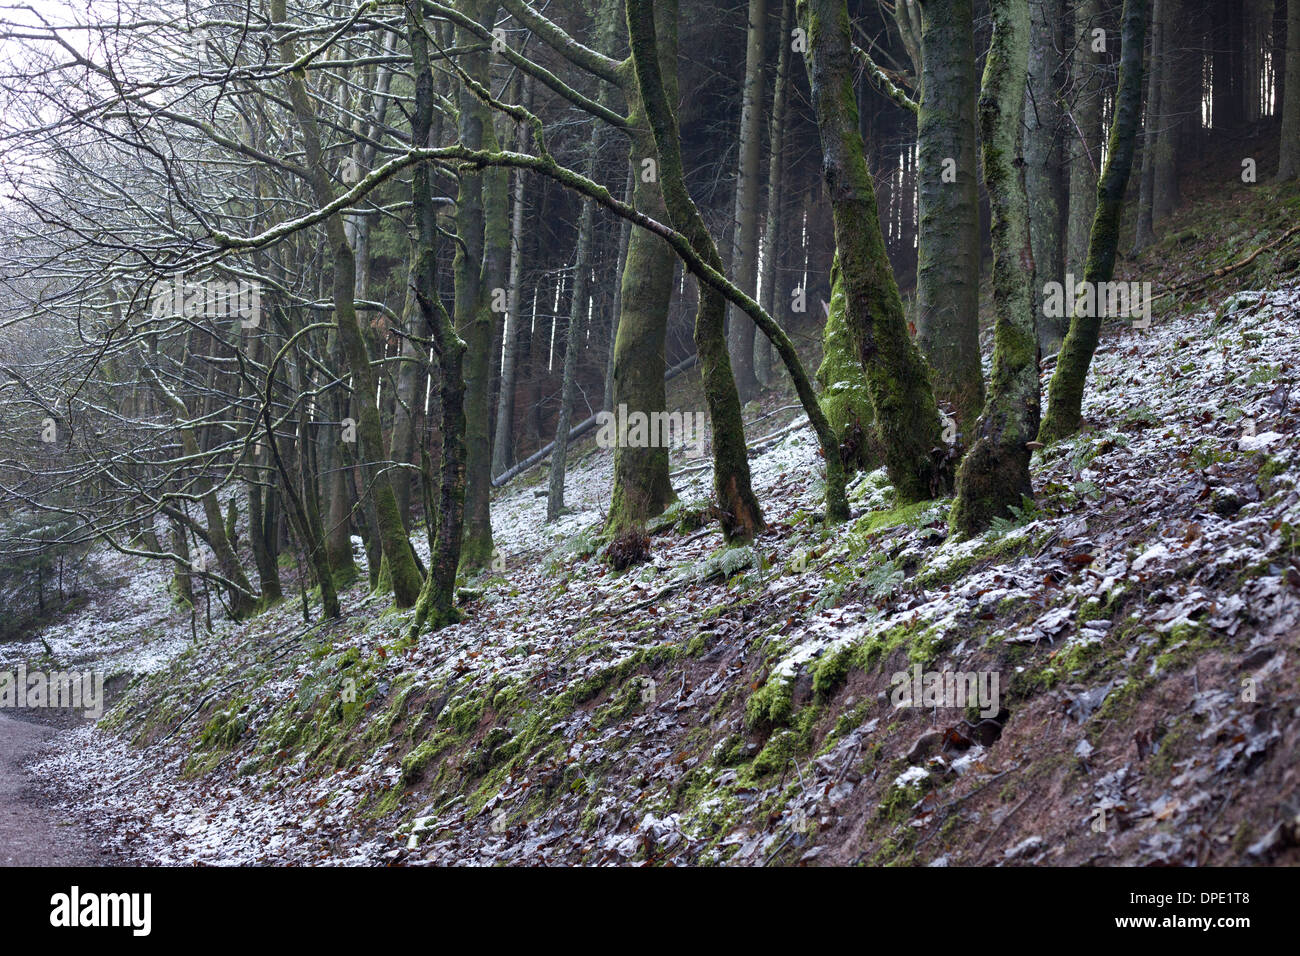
point(737, 706)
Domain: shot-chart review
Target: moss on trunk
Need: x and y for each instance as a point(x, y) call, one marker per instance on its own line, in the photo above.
point(1065, 396)
point(898, 380)
point(995, 472)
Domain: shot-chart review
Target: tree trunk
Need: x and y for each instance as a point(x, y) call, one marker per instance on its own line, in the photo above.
point(907, 419)
point(1065, 397)
point(482, 263)
point(641, 485)
point(948, 256)
point(738, 509)
point(744, 255)
point(772, 233)
point(1288, 166)
point(572, 350)
point(445, 515)
point(1164, 191)
point(624, 236)
point(1084, 135)
point(503, 443)
point(1151, 134)
point(994, 475)
point(1044, 170)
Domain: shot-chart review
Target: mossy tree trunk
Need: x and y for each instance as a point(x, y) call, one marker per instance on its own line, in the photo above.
point(948, 248)
point(445, 514)
point(1065, 396)
point(738, 509)
point(641, 485)
point(845, 398)
point(995, 472)
point(907, 418)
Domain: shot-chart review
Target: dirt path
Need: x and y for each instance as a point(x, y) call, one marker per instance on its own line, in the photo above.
point(32, 833)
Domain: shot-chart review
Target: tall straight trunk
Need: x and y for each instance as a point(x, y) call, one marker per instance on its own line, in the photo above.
point(1065, 397)
point(1288, 166)
point(1280, 33)
point(482, 264)
point(1164, 190)
point(336, 475)
point(503, 442)
point(994, 475)
point(572, 350)
point(948, 254)
point(641, 485)
point(1044, 169)
point(1151, 134)
point(406, 400)
point(907, 418)
point(396, 546)
point(738, 509)
point(445, 514)
point(772, 233)
point(1083, 134)
point(616, 310)
point(744, 254)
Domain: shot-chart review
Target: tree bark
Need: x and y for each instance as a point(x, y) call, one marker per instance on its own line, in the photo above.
point(482, 264)
point(641, 485)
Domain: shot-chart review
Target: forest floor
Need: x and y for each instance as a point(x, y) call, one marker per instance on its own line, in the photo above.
point(1141, 618)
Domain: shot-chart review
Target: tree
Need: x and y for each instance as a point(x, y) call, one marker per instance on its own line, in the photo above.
point(906, 416)
point(1065, 395)
point(994, 475)
point(1288, 164)
point(744, 257)
point(737, 507)
point(1084, 133)
point(1044, 169)
point(948, 244)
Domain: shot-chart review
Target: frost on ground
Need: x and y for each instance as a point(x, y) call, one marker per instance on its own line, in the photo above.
point(736, 706)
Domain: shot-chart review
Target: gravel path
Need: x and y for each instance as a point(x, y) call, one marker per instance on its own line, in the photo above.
point(31, 832)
